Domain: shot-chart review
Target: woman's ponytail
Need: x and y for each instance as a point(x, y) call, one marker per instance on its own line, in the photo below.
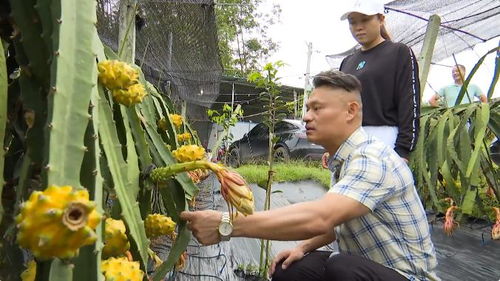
point(384, 33)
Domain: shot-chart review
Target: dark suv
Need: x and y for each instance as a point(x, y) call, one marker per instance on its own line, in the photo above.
point(495, 151)
point(292, 144)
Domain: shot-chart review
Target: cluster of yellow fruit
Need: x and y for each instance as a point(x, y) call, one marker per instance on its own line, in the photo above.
point(57, 222)
point(61, 219)
point(123, 81)
point(177, 120)
point(115, 238)
point(183, 137)
point(121, 269)
point(188, 153)
point(157, 225)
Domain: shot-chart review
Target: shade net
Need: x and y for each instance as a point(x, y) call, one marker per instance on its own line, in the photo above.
point(176, 44)
point(463, 25)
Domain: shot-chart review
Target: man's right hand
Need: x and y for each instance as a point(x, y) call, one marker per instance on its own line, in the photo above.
point(289, 256)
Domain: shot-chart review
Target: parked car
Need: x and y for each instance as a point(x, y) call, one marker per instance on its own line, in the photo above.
point(495, 151)
point(292, 144)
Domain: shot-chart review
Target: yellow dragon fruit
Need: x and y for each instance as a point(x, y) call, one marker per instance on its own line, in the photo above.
point(115, 74)
point(57, 222)
point(188, 153)
point(130, 96)
point(184, 137)
point(30, 273)
point(121, 269)
point(176, 120)
point(158, 225)
point(115, 238)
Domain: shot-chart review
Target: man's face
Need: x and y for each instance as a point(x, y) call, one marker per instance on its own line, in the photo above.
point(458, 73)
point(326, 116)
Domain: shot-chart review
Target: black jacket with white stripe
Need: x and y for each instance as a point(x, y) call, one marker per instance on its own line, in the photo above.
point(390, 90)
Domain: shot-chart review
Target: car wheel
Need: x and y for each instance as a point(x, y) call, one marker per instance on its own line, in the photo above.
point(233, 158)
point(281, 154)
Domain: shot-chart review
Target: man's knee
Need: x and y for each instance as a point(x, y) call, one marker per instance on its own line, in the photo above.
point(289, 274)
point(339, 267)
point(279, 274)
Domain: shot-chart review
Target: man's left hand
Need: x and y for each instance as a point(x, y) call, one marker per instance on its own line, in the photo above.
point(204, 225)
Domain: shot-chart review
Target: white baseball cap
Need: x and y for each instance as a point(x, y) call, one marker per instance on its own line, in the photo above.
point(366, 7)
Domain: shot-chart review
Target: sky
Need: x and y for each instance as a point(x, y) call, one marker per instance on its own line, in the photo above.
point(318, 22)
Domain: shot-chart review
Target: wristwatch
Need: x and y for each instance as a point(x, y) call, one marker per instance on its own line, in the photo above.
point(225, 227)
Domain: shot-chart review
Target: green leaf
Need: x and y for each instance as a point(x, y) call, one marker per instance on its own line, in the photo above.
point(144, 157)
point(452, 152)
point(481, 122)
point(132, 159)
point(60, 271)
point(469, 201)
point(28, 23)
point(451, 188)
point(117, 166)
point(496, 75)
point(441, 149)
point(3, 117)
point(88, 262)
point(74, 76)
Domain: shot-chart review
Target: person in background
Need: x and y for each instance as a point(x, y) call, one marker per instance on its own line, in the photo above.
point(372, 208)
point(388, 72)
point(449, 94)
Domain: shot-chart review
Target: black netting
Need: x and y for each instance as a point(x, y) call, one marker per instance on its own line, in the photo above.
point(463, 25)
point(176, 44)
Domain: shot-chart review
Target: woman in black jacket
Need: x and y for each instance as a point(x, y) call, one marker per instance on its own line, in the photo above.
point(388, 72)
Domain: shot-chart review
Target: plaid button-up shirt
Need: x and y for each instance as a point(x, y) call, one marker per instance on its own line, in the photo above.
point(396, 232)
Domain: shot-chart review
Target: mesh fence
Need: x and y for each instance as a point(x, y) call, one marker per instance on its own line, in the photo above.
point(463, 25)
point(176, 44)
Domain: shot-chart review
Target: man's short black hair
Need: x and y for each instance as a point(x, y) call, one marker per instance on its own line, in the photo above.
point(337, 80)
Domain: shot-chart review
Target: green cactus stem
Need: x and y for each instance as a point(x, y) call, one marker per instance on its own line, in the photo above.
point(163, 174)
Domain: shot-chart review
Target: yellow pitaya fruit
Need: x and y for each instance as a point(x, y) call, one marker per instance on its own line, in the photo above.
point(158, 225)
point(120, 269)
point(57, 222)
point(184, 137)
point(30, 273)
point(129, 96)
point(115, 239)
point(187, 153)
point(176, 120)
point(115, 74)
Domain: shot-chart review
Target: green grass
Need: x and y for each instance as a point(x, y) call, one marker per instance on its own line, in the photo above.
point(293, 171)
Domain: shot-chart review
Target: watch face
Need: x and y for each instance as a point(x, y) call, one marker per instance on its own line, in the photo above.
point(225, 229)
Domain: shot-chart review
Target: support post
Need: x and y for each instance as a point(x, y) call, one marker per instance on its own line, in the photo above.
point(126, 32)
point(425, 57)
point(307, 85)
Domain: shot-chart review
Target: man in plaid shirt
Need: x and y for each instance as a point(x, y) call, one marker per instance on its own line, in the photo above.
point(372, 209)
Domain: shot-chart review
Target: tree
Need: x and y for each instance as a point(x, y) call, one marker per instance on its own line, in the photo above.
point(244, 43)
